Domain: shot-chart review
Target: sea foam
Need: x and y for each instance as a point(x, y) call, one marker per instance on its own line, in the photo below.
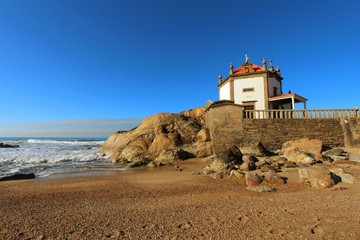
point(47, 156)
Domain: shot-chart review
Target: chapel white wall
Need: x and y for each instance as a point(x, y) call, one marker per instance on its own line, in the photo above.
point(257, 95)
point(224, 92)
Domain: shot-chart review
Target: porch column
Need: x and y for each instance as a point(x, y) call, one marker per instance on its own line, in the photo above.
point(293, 103)
point(304, 105)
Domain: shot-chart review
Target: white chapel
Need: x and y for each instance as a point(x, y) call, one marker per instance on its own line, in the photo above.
point(257, 88)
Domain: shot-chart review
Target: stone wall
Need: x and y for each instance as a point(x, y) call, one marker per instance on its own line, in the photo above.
point(351, 129)
point(274, 132)
point(228, 127)
point(224, 121)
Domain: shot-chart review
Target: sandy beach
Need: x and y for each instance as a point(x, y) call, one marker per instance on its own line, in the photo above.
point(167, 203)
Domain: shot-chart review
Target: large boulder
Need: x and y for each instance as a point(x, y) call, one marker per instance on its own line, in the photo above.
point(173, 155)
point(310, 146)
point(154, 135)
point(298, 156)
point(344, 176)
point(227, 159)
point(273, 178)
point(232, 154)
point(317, 176)
point(253, 179)
point(255, 149)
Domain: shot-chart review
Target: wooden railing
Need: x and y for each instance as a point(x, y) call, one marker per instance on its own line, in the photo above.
point(302, 114)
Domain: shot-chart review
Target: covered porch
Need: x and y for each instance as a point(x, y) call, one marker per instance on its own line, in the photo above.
point(286, 101)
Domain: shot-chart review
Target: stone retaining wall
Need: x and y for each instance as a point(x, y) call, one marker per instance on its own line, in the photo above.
point(228, 127)
point(274, 132)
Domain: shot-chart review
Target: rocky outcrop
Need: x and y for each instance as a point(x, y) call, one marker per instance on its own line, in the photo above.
point(196, 113)
point(162, 137)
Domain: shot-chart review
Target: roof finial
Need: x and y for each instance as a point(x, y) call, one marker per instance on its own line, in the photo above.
point(278, 70)
point(231, 68)
point(246, 58)
point(220, 78)
point(264, 67)
point(271, 68)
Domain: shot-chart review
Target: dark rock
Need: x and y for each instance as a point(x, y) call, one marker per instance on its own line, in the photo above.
point(232, 155)
point(2, 145)
point(256, 149)
point(247, 166)
point(226, 160)
point(18, 176)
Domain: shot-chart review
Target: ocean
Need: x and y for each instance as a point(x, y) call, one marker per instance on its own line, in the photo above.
point(47, 156)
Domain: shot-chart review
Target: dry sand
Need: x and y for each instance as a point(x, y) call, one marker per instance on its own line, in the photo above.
point(170, 204)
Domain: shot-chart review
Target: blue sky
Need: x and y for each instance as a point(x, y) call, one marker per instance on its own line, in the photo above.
point(111, 62)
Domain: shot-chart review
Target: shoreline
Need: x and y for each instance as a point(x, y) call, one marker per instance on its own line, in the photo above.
point(167, 203)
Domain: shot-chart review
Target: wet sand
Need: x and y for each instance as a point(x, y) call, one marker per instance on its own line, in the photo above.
point(167, 203)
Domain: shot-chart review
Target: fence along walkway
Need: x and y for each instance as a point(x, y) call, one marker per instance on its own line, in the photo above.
point(302, 114)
